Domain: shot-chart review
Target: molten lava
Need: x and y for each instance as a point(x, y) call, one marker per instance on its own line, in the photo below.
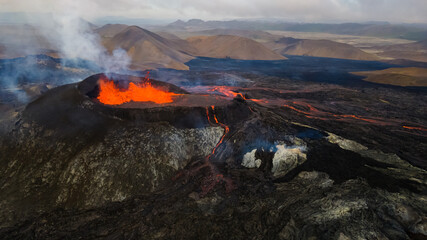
point(110, 94)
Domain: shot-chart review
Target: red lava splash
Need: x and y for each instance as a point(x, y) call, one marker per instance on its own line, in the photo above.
point(110, 94)
point(415, 128)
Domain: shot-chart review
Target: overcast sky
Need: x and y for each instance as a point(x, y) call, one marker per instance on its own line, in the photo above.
point(291, 10)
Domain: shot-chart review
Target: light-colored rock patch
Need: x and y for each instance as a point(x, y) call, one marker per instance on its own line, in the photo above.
point(250, 161)
point(287, 158)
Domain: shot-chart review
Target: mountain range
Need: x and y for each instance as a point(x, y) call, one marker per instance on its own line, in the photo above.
point(375, 29)
point(172, 46)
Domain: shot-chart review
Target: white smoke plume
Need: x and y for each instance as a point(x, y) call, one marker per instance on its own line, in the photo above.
point(57, 29)
point(74, 38)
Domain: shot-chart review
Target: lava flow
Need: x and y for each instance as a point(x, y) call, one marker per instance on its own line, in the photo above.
point(322, 115)
point(214, 176)
point(110, 94)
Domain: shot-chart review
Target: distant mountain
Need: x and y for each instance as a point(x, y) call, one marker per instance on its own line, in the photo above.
point(252, 34)
point(377, 29)
point(411, 76)
point(195, 22)
point(130, 21)
point(366, 29)
point(177, 24)
point(227, 46)
point(411, 51)
point(2, 51)
point(200, 25)
point(148, 50)
point(319, 48)
point(110, 30)
point(168, 35)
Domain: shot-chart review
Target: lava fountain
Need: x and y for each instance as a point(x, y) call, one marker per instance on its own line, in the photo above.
point(111, 94)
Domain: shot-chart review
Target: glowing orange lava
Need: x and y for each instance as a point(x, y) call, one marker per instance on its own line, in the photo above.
point(226, 91)
point(110, 94)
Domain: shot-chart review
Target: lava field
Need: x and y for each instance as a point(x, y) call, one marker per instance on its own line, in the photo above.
point(264, 157)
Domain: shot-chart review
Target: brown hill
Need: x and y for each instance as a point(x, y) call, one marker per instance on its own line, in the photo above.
point(148, 50)
point(319, 48)
point(227, 46)
point(411, 76)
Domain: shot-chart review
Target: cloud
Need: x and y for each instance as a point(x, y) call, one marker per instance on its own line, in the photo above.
point(303, 10)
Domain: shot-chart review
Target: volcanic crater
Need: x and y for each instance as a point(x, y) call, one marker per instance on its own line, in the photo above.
point(168, 102)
